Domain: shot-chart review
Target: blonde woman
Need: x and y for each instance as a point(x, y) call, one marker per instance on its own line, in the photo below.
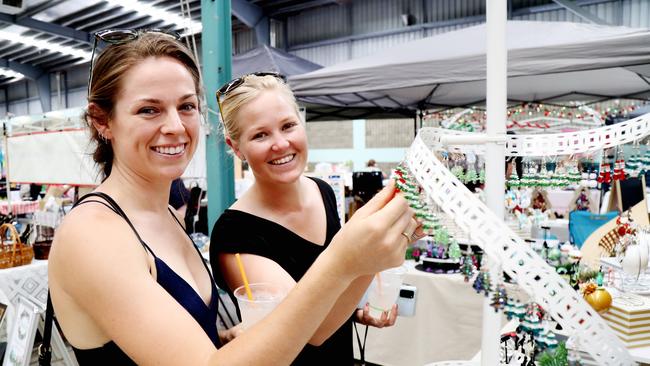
point(285, 220)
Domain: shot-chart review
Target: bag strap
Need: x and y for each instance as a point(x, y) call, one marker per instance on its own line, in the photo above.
point(362, 345)
point(45, 351)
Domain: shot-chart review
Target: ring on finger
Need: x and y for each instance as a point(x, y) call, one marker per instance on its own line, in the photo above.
point(407, 236)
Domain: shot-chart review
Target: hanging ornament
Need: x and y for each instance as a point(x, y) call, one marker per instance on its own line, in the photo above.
point(605, 174)
point(532, 321)
point(486, 283)
point(499, 298)
point(619, 166)
point(478, 283)
point(597, 297)
point(467, 268)
point(454, 250)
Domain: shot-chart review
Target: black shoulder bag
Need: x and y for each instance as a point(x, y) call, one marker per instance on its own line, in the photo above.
point(44, 350)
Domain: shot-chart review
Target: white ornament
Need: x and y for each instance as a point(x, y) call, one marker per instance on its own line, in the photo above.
point(635, 259)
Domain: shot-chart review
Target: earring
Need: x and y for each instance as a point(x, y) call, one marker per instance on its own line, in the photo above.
point(102, 138)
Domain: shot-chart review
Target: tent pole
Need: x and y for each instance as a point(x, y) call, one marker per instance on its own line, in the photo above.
point(496, 94)
point(217, 49)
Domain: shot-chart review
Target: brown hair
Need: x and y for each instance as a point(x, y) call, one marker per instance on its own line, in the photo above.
point(106, 80)
point(248, 91)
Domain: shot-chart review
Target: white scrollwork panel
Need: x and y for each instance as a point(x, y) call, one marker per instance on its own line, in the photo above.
point(517, 259)
point(549, 144)
point(28, 281)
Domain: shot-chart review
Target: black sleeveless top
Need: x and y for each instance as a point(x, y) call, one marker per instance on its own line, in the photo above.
point(240, 232)
point(175, 285)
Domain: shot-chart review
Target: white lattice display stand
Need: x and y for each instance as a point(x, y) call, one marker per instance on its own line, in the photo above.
point(548, 144)
point(501, 244)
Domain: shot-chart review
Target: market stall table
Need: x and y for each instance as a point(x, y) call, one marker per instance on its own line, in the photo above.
point(446, 325)
point(18, 207)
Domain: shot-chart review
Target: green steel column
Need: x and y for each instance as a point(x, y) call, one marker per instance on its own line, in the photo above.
point(216, 42)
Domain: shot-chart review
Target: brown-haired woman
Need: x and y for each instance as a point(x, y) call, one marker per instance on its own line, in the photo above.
point(126, 282)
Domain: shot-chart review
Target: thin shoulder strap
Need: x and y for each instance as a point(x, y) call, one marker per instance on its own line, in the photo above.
point(118, 210)
point(192, 241)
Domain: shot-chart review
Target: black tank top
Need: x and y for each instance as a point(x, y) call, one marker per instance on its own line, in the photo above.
point(175, 285)
point(241, 232)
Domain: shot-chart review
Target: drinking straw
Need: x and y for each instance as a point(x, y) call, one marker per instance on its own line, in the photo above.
point(249, 294)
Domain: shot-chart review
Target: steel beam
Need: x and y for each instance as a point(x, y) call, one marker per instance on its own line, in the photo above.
point(303, 6)
point(253, 17)
point(30, 72)
point(36, 74)
point(216, 45)
point(574, 8)
point(46, 27)
point(414, 28)
point(248, 13)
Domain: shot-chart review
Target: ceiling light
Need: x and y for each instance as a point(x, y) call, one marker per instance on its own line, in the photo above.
point(38, 43)
point(190, 26)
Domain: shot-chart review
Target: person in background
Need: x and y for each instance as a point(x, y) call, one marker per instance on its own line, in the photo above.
point(127, 284)
point(286, 220)
point(179, 196)
point(371, 166)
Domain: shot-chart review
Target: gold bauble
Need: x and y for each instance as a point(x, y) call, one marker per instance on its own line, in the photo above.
point(597, 297)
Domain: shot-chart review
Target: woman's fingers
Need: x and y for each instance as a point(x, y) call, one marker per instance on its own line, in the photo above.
point(393, 211)
point(419, 232)
point(386, 319)
point(393, 316)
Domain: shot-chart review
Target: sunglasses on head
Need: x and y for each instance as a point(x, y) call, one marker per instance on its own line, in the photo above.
point(121, 36)
point(236, 82)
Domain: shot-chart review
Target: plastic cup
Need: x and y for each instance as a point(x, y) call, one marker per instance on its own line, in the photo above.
point(266, 296)
point(383, 292)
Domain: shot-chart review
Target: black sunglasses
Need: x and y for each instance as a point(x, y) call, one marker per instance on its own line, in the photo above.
point(236, 82)
point(120, 36)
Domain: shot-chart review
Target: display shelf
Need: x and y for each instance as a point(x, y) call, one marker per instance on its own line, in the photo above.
point(502, 245)
point(547, 144)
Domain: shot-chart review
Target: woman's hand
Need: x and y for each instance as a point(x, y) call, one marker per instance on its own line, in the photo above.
point(377, 235)
point(228, 335)
point(363, 316)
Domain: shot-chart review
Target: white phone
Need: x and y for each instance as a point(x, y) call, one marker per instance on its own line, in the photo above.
point(406, 300)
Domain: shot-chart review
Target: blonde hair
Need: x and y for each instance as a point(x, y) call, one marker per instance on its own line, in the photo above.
point(245, 93)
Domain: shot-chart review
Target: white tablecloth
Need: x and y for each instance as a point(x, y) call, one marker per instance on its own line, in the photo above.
point(446, 325)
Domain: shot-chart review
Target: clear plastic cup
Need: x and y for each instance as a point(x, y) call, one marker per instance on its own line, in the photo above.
point(266, 296)
point(384, 291)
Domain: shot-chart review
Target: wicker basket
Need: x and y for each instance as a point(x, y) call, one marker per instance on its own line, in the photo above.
point(13, 253)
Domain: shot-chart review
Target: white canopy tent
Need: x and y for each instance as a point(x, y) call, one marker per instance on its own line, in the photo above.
point(55, 148)
point(551, 62)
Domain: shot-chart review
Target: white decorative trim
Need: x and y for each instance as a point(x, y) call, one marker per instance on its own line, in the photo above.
point(549, 144)
point(516, 258)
